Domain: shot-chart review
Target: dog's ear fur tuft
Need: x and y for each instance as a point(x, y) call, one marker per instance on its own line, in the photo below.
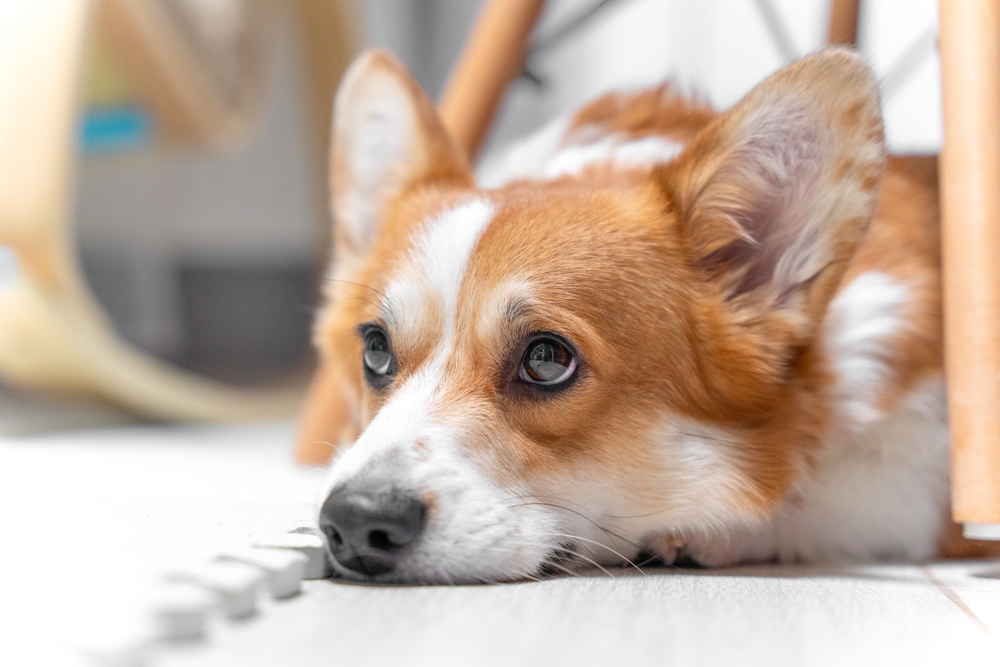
point(776, 194)
point(386, 138)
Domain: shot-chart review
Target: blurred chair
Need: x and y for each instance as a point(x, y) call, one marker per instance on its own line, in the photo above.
point(200, 65)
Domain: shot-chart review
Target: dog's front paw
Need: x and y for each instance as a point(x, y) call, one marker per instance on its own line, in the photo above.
point(667, 548)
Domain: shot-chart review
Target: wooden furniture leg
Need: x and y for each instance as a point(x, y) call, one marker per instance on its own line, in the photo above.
point(843, 27)
point(970, 196)
point(492, 58)
point(324, 415)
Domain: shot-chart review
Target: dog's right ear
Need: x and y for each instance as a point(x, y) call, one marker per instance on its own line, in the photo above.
point(775, 195)
point(387, 138)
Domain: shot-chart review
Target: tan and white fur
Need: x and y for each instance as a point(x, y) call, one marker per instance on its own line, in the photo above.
point(753, 297)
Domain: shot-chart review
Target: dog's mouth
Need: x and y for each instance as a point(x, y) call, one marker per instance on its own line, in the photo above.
point(378, 566)
point(381, 566)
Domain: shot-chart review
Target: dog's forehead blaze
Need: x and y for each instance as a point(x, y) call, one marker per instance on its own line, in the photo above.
point(413, 278)
point(420, 299)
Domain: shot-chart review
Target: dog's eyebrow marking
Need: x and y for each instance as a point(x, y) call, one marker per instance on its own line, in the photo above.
point(515, 308)
point(511, 302)
point(388, 312)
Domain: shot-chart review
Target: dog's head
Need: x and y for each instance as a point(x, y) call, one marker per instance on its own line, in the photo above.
point(565, 373)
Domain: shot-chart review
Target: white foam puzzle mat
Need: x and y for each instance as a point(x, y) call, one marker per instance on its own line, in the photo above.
point(230, 587)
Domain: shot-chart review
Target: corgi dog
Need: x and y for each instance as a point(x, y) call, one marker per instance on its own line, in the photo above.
point(661, 332)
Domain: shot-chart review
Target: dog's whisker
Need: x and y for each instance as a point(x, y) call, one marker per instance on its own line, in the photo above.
point(579, 555)
point(567, 509)
point(584, 539)
point(349, 282)
point(611, 534)
point(384, 304)
point(639, 516)
point(443, 572)
point(557, 566)
point(585, 546)
point(361, 298)
point(653, 558)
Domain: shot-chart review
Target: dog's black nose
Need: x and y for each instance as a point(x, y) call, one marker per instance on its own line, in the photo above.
point(368, 529)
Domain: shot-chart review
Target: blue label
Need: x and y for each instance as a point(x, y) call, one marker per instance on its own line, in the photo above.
point(115, 129)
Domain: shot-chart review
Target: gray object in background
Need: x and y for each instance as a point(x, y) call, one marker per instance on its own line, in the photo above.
point(211, 259)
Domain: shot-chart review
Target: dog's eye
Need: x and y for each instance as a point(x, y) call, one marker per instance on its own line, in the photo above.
point(378, 356)
point(547, 362)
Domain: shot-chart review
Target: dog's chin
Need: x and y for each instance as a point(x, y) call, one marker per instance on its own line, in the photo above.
point(428, 571)
point(558, 563)
point(442, 577)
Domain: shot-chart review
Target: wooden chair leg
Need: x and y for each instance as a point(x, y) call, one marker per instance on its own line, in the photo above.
point(492, 59)
point(325, 415)
point(970, 189)
point(843, 27)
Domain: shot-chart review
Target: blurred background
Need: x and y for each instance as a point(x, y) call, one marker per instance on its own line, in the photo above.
point(203, 232)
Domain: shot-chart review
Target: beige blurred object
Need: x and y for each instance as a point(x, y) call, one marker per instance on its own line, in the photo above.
point(200, 64)
point(970, 198)
point(330, 41)
point(53, 334)
point(326, 419)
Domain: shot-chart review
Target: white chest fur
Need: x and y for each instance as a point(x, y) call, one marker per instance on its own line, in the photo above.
point(882, 494)
point(879, 489)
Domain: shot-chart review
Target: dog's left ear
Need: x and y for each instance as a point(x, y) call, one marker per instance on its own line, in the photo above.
point(776, 194)
point(387, 138)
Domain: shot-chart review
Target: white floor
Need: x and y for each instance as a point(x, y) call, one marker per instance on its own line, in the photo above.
point(764, 616)
point(92, 517)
